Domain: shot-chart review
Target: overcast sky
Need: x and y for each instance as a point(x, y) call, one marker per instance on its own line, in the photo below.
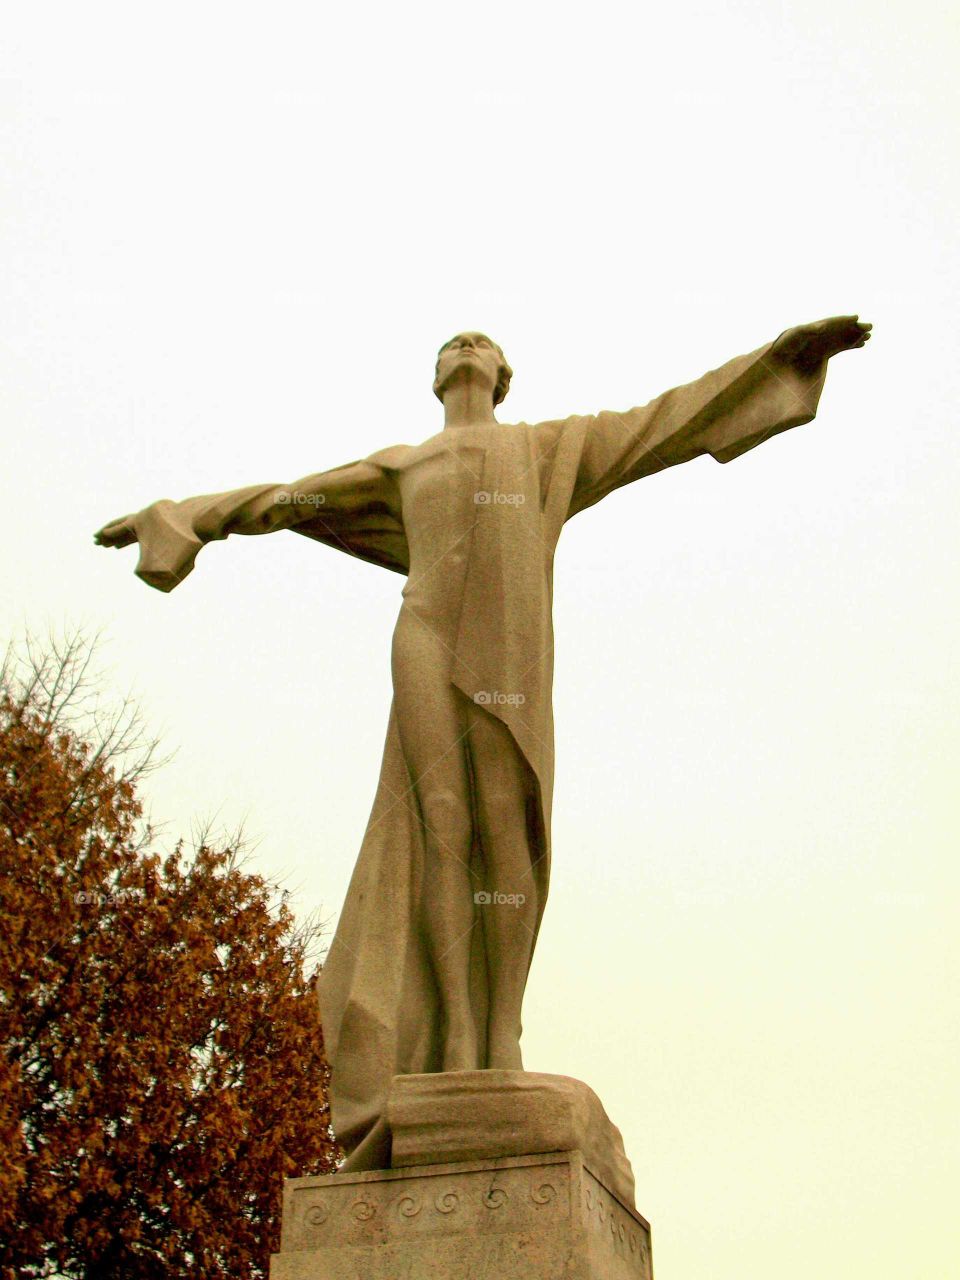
point(233, 239)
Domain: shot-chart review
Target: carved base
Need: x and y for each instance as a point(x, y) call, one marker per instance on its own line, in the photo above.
point(483, 1115)
point(536, 1217)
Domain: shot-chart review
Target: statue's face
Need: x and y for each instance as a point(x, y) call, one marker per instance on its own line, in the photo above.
point(468, 356)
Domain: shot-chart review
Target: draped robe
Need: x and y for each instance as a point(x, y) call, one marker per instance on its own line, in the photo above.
point(379, 999)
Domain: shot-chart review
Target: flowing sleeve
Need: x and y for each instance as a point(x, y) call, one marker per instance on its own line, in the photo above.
point(353, 508)
point(724, 413)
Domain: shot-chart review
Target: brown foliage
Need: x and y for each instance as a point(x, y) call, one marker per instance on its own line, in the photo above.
point(161, 1060)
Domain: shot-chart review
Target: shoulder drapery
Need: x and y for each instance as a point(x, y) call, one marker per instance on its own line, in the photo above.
point(724, 413)
point(353, 508)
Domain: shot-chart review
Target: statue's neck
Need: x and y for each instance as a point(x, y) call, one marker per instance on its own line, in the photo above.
point(467, 406)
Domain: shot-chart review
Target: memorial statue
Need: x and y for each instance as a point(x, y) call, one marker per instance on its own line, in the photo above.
point(429, 962)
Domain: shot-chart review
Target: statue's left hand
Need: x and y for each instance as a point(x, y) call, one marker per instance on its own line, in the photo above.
point(808, 345)
point(118, 533)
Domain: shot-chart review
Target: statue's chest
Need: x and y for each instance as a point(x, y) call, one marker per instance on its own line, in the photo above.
point(452, 478)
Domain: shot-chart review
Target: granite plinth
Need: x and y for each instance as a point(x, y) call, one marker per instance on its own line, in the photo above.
point(483, 1115)
point(532, 1217)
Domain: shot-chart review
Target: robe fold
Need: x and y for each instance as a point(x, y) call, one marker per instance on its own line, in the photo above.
point(379, 1000)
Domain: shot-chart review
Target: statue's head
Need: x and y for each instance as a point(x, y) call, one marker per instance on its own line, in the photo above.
point(472, 355)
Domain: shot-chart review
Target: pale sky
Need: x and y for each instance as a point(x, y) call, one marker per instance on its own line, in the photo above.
point(234, 237)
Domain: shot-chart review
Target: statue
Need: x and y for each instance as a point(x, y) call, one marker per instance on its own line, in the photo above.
point(428, 966)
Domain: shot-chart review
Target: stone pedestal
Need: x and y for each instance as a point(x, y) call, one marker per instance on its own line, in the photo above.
point(481, 1115)
point(481, 1208)
point(543, 1217)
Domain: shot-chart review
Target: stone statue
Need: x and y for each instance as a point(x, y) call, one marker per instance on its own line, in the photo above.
point(427, 969)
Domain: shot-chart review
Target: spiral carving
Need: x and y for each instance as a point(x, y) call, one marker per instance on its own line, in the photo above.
point(317, 1215)
point(408, 1207)
point(363, 1210)
point(495, 1198)
point(447, 1202)
point(544, 1193)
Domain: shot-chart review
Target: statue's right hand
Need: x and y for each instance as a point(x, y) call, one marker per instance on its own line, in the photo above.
point(118, 533)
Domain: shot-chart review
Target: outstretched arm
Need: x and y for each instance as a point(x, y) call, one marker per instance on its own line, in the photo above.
point(724, 413)
point(171, 534)
point(783, 388)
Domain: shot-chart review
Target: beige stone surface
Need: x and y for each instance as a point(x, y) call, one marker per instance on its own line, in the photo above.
point(477, 1115)
point(428, 966)
point(536, 1217)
